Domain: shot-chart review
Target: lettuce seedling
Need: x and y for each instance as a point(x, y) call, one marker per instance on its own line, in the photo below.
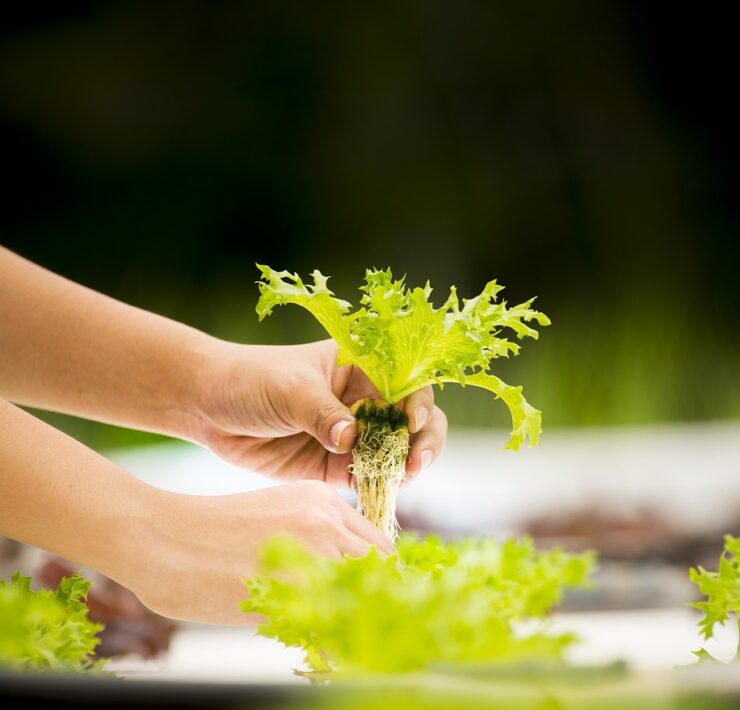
point(47, 629)
point(434, 603)
point(722, 591)
point(403, 343)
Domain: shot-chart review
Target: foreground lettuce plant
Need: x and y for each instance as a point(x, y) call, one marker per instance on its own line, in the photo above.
point(47, 629)
point(433, 604)
point(403, 343)
point(722, 591)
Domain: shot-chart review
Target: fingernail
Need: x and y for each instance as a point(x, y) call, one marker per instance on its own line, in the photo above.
point(336, 431)
point(426, 459)
point(421, 414)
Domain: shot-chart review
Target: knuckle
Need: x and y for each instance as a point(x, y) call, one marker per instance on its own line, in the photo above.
point(322, 412)
point(318, 491)
point(292, 385)
point(425, 394)
point(315, 518)
point(283, 394)
point(311, 488)
point(442, 418)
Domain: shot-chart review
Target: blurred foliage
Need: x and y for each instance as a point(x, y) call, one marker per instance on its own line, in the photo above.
point(47, 629)
point(434, 604)
point(442, 694)
point(579, 151)
point(533, 693)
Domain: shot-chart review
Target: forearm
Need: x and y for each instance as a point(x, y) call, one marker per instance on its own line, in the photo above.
point(69, 349)
point(60, 496)
point(183, 556)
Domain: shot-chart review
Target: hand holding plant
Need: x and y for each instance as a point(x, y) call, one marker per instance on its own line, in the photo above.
point(196, 549)
point(284, 411)
point(404, 344)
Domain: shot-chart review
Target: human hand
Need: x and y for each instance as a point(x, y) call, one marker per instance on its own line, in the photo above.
point(199, 548)
point(283, 411)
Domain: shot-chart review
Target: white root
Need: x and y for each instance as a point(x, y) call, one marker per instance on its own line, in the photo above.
point(379, 462)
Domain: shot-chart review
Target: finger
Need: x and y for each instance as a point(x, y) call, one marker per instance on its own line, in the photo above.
point(366, 530)
point(418, 406)
point(427, 445)
point(353, 545)
point(337, 470)
point(313, 407)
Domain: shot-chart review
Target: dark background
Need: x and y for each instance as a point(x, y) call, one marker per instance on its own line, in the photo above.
point(584, 152)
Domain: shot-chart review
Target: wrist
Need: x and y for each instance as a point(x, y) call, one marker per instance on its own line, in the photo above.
point(186, 561)
point(228, 390)
point(192, 382)
point(146, 557)
point(128, 532)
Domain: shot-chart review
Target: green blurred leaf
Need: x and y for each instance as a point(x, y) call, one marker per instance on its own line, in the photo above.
point(434, 603)
point(722, 591)
point(47, 629)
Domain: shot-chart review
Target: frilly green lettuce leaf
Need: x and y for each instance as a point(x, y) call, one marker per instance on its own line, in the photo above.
point(526, 420)
point(47, 629)
point(722, 591)
point(433, 603)
point(403, 343)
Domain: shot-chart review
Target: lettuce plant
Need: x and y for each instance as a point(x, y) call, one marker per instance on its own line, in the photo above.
point(47, 629)
point(722, 591)
point(403, 343)
point(434, 603)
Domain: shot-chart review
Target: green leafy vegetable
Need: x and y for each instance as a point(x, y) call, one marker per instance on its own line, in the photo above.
point(434, 603)
point(722, 589)
point(403, 343)
point(46, 629)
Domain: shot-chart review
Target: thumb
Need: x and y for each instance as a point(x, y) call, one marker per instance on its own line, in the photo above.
point(317, 411)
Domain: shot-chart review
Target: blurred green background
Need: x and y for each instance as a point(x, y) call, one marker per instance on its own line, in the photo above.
point(584, 152)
